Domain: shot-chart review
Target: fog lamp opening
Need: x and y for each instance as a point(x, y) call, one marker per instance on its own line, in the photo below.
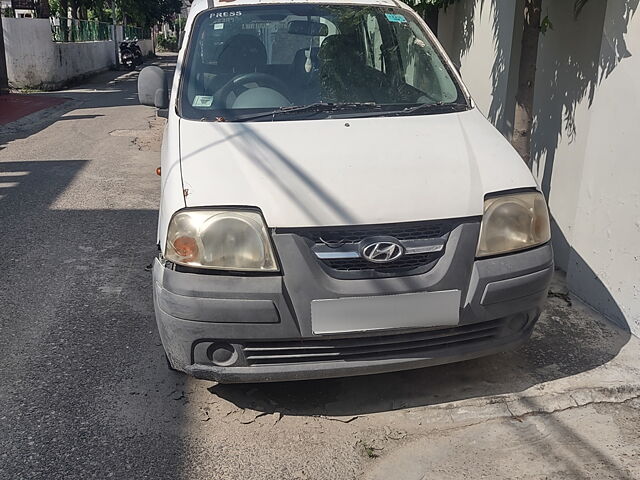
point(222, 354)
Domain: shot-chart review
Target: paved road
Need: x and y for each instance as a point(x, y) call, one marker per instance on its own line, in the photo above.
point(77, 209)
point(84, 392)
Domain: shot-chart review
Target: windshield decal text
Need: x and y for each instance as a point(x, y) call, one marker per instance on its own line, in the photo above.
point(225, 14)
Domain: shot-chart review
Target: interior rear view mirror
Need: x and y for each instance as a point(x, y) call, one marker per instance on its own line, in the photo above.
point(310, 29)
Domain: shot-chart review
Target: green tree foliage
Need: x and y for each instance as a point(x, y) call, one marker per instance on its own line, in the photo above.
point(146, 13)
point(143, 13)
point(421, 6)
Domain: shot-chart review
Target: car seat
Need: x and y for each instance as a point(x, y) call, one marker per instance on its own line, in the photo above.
point(305, 84)
point(242, 54)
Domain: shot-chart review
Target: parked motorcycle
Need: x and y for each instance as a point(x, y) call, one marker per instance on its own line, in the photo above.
point(130, 53)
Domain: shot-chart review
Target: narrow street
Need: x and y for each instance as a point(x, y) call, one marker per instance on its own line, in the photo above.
point(85, 392)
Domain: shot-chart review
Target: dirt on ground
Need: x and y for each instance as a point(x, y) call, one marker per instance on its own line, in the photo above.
point(85, 392)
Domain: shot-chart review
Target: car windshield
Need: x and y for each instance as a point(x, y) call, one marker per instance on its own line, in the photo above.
point(299, 60)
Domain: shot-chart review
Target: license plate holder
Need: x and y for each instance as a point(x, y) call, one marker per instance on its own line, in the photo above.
point(407, 310)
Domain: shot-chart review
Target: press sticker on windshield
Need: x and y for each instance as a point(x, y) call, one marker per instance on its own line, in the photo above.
point(225, 14)
point(202, 101)
point(396, 17)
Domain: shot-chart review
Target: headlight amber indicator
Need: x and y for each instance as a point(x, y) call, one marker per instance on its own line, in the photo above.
point(186, 248)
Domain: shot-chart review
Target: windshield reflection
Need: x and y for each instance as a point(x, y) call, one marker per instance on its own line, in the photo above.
point(252, 62)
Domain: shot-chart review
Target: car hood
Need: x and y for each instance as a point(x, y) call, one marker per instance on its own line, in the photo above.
point(350, 171)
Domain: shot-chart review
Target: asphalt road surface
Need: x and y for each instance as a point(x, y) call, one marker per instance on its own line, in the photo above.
point(85, 393)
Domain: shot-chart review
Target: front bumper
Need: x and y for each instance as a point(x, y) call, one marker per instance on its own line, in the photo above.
point(332, 369)
point(263, 324)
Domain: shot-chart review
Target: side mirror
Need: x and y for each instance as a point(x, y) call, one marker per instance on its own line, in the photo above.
point(152, 87)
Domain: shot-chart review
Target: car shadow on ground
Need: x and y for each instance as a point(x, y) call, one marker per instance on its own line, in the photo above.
point(567, 341)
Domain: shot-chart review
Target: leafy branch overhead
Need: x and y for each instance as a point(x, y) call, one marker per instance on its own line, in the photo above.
point(148, 12)
point(142, 13)
point(421, 5)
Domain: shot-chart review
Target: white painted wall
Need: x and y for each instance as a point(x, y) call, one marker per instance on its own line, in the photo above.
point(479, 35)
point(145, 45)
point(587, 114)
point(568, 62)
point(35, 61)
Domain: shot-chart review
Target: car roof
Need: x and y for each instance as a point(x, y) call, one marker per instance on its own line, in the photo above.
point(204, 4)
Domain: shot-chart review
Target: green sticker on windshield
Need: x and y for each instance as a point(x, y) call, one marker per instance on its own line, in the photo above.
point(395, 17)
point(202, 101)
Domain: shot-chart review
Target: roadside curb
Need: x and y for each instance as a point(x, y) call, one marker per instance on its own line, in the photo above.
point(546, 404)
point(517, 406)
point(520, 406)
point(481, 422)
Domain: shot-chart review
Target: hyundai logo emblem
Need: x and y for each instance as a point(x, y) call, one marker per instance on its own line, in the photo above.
point(382, 252)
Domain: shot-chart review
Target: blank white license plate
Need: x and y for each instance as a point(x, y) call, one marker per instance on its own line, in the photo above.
point(408, 310)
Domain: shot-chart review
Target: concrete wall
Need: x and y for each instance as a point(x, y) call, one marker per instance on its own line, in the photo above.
point(587, 112)
point(587, 116)
point(145, 45)
point(479, 36)
point(566, 79)
point(35, 61)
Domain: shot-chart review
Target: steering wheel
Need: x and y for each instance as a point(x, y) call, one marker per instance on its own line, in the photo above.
point(237, 85)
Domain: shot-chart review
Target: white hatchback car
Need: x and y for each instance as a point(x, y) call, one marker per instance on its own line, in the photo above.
point(332, 202)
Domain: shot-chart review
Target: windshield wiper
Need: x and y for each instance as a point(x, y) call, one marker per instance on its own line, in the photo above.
point(439, 107)
point(311, 108)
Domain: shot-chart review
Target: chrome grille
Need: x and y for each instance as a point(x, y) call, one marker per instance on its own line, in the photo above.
point(350, 264)
point(408, 262)
point(369, 348)
point(355, 234)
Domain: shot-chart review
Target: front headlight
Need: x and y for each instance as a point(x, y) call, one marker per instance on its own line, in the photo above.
point(220, 239)
point(513, 222)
